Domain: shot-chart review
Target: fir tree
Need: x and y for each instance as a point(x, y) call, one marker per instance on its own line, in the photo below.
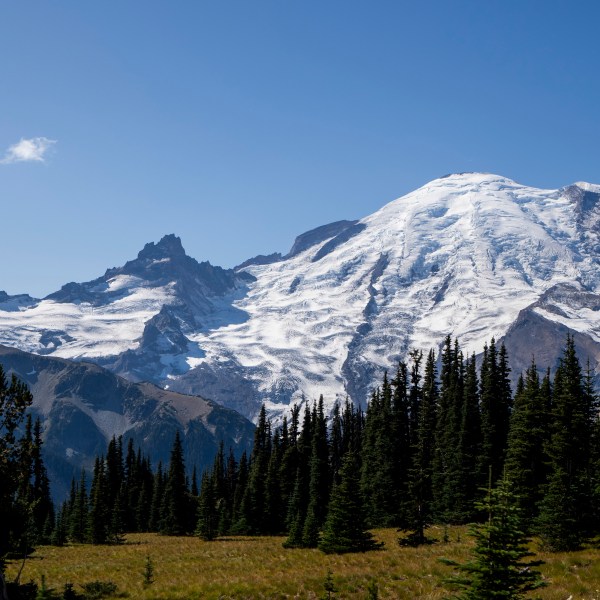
point(498, 569)
point(345, 527)
point(418, 505)
point(174, 510)
point(318, 484)
point(566, 513)
point(78, 522)
point(207, 509)
point(446, 460)
point(98, 529)
point(525, 460)
point(15, 399)
point(496, 403)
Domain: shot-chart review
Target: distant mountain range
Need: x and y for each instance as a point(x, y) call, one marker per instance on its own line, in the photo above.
point(84, 405)
point(472, 255)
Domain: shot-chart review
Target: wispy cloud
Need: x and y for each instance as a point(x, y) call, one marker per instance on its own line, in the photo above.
point(32, 150)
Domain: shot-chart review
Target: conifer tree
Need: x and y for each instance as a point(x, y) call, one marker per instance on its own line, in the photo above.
point(566, 513)
point(207, 509)
point(469, 446)
point(418, 505)
point(78, 521)
point(15, 399)
point(525, 460)
point(345, 528)
point(158, 490)
point(43, 507)
point(253, 519)
point(446, 460)
point(98, 528)
point(174, 511)
point(318, 483)
point(239, 494)
point(496, 402)
point(498, 569)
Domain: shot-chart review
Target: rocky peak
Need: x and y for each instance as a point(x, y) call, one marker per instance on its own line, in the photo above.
point(168, 247)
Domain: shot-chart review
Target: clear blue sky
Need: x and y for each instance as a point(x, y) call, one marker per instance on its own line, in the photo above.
point(238, 125)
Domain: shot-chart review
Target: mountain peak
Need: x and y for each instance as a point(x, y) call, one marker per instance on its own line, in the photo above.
point(168, 247)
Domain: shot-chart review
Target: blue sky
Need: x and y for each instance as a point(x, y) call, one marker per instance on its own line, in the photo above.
point(238, 125)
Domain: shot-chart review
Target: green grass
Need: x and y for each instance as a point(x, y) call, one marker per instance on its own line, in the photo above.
point(186, 568)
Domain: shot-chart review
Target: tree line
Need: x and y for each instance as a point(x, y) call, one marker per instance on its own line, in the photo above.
point(420, 454)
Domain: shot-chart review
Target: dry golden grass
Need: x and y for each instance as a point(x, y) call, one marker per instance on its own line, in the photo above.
point(245, 568)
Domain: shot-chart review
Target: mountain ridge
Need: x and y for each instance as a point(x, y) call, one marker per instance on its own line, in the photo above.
point(464, 255)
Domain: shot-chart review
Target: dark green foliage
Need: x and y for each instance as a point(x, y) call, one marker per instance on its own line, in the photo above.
point(329, 585)
point(449, 498)
point(98, 528)
point(15, 399)
point(174, 519)
point(206, 527)
point(345, 527)
point(372, 590)
point(253, 518)
point(528, 434)
point(319, 480)
point(418, 502)
point(148, 573)
point(44, 592)
point(566, 513)
point(78, 511)
point(496, 402)
point(95, 590)
point(497, 569)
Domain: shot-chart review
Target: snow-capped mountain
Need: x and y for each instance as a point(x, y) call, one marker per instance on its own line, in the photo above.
point(472, 255)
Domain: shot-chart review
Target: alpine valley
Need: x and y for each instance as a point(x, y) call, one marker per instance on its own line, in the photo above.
point(471, 255)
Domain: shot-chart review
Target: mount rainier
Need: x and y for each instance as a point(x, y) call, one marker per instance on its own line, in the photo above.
point(472, 255)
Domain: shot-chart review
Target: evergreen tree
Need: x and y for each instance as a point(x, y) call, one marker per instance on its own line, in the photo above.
point(15, 399)
point(43, 507)
point(498, 569)
point(447, 460)
point(496, 403)
point(174, 510)
point(253, 520)
point(78, 521)
point(566, 513)
point(318, 484)
point(380, 455)
point(469, 446)
point(99, 521)
point(240, 493)
point(418, 506)
point(158, 492)
point(525, 460)
point(345, 527)
point(207, 509)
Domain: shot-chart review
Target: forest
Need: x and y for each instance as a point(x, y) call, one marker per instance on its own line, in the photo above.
point(427, 450)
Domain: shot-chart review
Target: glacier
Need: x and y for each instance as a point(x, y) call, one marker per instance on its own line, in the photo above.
point(469, 254)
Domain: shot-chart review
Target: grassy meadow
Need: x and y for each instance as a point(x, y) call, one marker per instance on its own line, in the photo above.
point(243, 568)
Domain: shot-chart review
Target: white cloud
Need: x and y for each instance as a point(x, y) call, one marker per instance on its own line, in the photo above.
point(34, 149)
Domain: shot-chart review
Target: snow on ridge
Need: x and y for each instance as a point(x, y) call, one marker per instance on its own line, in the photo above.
point(588, 187)
point(83, 330)
point(465, 254)
point(462, 255)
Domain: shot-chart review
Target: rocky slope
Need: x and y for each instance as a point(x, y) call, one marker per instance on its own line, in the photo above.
point(84, 405)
